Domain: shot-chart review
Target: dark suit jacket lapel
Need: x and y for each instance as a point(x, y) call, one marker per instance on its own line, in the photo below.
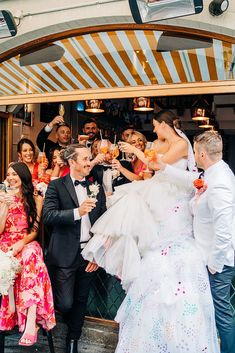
point(71, 189)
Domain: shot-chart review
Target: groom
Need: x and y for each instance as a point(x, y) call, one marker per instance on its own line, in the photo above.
point(70, 213)
point(214, 226)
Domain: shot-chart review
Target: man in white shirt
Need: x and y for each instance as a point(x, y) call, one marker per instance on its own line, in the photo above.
point(214, 225)
point(70, 212)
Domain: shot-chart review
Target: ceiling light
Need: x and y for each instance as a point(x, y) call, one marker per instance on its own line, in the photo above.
point(199, 114)
point(142, 104)
point(154, 10)
point(94, 106)
point(217, 7)
point(205, 124)
point(200, 110)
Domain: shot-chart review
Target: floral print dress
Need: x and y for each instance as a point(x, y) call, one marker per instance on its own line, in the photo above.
point(32, 285)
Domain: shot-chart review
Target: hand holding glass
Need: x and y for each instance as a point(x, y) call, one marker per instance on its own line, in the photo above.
point(150, 154)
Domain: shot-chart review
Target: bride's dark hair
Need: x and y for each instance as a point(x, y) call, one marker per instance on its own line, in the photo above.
point(169, 118)
point(27, 192)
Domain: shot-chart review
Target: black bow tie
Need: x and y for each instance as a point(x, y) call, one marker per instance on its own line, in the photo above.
point(83, 183)
point(201, 175)
point(105, 167)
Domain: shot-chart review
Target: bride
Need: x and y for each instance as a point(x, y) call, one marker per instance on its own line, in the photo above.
point(145, 238)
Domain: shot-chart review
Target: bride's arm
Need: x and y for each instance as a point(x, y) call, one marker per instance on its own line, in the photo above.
point(177, 151)
point(179, 176)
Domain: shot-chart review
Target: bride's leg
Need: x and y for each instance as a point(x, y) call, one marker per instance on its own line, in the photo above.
point(30, 332)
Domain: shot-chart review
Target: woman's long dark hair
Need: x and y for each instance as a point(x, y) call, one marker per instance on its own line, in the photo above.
point(27, 192)
point(29, 142)
point(168, 117)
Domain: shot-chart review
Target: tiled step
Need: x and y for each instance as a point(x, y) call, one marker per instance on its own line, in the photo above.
point(96, 338)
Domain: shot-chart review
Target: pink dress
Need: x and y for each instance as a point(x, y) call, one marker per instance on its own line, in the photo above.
point(32, 285)
point(138, 169)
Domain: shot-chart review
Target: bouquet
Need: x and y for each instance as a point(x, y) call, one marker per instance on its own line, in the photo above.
point(9, 268)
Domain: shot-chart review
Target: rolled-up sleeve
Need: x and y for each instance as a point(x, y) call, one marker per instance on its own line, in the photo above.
point(220, 202)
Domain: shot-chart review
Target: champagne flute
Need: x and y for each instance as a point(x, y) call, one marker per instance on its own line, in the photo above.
point(61, 110)
point(41, 159)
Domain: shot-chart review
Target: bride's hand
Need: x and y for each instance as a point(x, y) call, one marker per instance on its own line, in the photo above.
point(158, 165)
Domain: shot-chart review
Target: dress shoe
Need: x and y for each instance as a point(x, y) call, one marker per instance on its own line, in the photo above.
point(71, 346)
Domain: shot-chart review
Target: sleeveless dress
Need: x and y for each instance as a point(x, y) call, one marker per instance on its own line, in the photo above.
point(146, 239)
point(32, 285)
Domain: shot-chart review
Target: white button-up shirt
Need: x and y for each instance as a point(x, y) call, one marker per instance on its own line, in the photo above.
point(81, 193)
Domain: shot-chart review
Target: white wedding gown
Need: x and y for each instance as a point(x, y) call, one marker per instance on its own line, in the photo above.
point(146, 239)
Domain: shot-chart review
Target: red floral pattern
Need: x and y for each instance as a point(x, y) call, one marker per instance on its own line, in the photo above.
point(32, 285)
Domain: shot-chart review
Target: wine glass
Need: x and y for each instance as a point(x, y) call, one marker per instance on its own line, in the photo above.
point(2, 187)
point(12, 190)
point(104, 146)
point(150, 154)
point(113, 149)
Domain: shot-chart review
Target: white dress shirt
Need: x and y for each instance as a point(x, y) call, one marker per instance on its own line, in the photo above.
point(214, 213)
point(81, 193)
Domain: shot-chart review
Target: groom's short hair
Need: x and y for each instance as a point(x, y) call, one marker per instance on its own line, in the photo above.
point(70, 152)
point(211, 142)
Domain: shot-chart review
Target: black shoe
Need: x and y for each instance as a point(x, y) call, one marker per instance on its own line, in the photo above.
point(71, 346)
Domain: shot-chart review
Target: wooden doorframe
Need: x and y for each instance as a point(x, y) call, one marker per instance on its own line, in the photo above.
point(6, 143)
point(174, 89)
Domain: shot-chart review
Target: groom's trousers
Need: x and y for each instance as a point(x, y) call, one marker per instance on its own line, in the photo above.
point(220, 289)
point(71, 288)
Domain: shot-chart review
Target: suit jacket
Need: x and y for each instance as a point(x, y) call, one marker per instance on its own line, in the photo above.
point(98, 171)
point(42, 139)
point(58, 213)
point(214, 213)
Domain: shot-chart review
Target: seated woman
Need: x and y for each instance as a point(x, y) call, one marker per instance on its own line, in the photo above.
point(139, 141)
point(58, 167)
point(19, 221)
point(27, 154)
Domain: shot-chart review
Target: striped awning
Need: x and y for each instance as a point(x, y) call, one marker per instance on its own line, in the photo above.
point(117, 58)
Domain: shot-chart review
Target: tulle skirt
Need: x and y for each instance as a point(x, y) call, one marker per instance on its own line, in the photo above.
point(146, 239)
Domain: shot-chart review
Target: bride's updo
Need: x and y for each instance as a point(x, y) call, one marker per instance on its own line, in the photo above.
point(169, 118)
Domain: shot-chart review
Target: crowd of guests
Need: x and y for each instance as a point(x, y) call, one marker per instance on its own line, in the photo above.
point(68, 185)
point(21, 213)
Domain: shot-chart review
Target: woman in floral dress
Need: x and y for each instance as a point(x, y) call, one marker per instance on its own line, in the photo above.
point(19, 218)
point(27, 154)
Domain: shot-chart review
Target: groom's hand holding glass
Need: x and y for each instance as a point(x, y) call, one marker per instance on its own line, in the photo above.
point(87, 206)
